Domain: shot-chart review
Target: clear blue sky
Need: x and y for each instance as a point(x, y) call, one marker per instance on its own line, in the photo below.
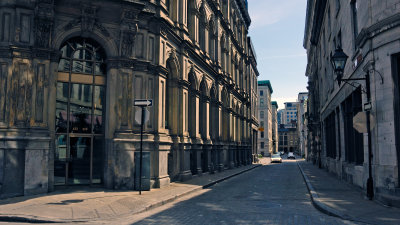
point(277, 31)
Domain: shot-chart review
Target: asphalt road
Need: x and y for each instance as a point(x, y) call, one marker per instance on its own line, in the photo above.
point(271, 194)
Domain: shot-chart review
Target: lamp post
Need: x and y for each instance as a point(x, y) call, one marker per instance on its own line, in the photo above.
point(338, 61)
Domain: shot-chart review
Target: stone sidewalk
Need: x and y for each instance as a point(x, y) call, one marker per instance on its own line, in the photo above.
point(92, 204)
point(338, 198)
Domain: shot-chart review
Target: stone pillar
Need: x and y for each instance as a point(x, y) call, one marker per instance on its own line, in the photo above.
point(226, 156)
point(208, 166)
point(183, 13)
point(220, 156)
point(184, 154)
point(197, 149)
point(184, 141)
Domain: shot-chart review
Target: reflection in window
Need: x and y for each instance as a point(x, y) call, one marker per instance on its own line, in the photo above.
point(82, 103)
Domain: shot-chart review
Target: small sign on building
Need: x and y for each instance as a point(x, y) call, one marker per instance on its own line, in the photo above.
point(360, 122)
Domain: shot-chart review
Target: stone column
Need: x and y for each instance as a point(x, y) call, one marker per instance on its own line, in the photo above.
point(196, 148)
point(231, 142)
point(183, 14)
point(184, 141)
point(207, 166)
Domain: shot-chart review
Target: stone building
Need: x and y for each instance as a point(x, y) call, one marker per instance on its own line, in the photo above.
point(70, 71)
point(274, 106)
point(287, 130)
point(368, 33)
point(302, 123)
point(288, 139)
point(265, 117)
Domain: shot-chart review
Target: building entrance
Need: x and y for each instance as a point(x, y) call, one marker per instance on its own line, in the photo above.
point(80, 114)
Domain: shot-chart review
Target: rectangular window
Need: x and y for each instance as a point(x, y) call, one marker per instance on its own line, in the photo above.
point(353, 6)
point(330, 134)
point(25, 27)
point(262, 134)
point(338, 131)
point(6, 26)
point(354, 148)
point(262, 114)
point(262, 144)
point(261, 93)
point(261, 101)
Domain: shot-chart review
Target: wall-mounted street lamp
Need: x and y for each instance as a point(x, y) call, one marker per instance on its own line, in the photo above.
point(339, 60)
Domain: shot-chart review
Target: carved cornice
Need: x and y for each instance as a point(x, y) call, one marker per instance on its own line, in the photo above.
point(120, 63)
point(184, 83)
point(377, 28)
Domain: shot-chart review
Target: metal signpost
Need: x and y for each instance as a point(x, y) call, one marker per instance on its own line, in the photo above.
point(142, 103)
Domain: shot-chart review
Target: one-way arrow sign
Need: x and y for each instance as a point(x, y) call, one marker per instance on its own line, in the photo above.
point(143, 102)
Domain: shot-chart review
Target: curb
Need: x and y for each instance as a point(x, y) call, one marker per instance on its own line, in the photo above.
point(318, 204)
point(34, 219)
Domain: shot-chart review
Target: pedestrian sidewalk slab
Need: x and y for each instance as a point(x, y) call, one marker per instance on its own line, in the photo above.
point(91, 204)
point(338, 198)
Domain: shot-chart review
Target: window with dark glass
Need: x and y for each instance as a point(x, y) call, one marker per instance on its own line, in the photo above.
point(354, 147)
point(353, 5)
point(79, 119)
point(330, 134)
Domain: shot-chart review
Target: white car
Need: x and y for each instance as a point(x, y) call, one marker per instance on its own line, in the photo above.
point(276, 158)
point(291, 155)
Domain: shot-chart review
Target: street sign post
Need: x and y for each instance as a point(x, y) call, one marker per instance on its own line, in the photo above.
point(142, 103)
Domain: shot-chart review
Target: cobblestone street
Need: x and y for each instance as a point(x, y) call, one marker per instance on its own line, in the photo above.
point(271, 194)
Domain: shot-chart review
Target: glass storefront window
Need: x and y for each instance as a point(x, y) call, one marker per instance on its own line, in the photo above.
point(80, 113)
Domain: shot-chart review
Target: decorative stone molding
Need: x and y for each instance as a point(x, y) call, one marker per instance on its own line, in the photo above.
point(120, 63)
point(87, 21)
point(88, 17)
point(128, 30)
point(44, 16)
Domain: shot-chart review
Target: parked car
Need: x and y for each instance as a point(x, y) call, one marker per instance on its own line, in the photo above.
point(291, 155)
point(276, 158)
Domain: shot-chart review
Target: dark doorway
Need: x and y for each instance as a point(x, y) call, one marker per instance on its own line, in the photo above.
point(396, 105)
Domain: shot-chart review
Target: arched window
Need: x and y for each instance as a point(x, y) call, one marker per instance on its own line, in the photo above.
point(203, 29)
point(211, 39)
point(79, 122)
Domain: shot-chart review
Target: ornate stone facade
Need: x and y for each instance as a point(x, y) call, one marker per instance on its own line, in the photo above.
point(367, 31)
point(70, 71)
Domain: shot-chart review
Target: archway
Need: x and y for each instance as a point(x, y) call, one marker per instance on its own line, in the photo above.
point(80, 113)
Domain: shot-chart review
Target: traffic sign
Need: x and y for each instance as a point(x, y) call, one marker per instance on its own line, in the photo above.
point(143, 102)
point(138, 116)
point(360, 122)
